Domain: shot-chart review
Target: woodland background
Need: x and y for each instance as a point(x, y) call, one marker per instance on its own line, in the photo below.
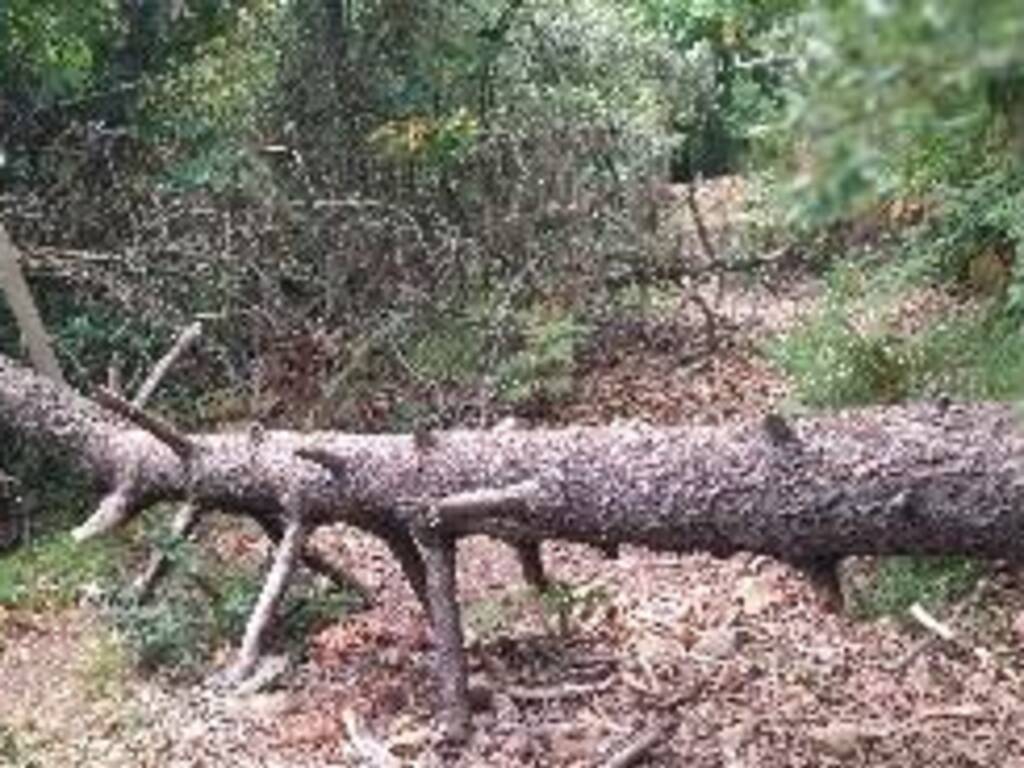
point(396, 216)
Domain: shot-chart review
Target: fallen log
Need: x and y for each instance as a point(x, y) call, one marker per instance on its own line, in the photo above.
point(931, 478)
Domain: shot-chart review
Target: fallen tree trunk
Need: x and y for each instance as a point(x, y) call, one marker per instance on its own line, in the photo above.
point(923, 479)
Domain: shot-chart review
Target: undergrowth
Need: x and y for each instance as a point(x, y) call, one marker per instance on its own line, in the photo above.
point(51, 572)
point(899, 582)
point(202, 607)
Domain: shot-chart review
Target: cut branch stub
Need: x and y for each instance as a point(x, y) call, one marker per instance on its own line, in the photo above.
point(325, 459)
point(487, 501)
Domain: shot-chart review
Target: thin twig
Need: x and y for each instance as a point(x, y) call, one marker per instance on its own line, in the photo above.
point(928, 640)
point(367, 749)
point(564, 691)
point(637, 748)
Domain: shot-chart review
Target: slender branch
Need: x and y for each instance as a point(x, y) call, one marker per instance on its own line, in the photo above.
point(114, 509)
point(555, 692)
point(636, 749)
point(185, 521)
point(186, 338)
point(273, 590)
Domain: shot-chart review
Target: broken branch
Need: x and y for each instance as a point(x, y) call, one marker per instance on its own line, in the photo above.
point(185, 339)
point(161, 429)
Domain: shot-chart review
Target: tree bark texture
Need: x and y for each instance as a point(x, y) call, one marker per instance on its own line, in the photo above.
point(921, 479)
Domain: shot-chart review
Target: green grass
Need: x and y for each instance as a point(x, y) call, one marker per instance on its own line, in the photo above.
point(202, 605)
point(900, 582)
point(843, 356)
point(50, 572)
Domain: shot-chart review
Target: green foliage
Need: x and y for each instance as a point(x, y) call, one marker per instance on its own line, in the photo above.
point(979, 224)
point(834, 365)
point(733, 75)
point(848, 354)
point(51, 571)
point(543, 366)
point(892, 98)
point(491, 618)
point(209, 110)
point(437, 141)
point(462, 346)
point(571, 604)
point(564, 608)
point(835, 358)
point(203, 606)
point(54, 47)
point(899, 582)
point(519, 356)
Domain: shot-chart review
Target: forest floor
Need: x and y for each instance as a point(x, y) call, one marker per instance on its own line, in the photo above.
point(734, 663)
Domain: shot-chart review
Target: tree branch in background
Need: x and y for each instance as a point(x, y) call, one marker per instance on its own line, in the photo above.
point(185, 339)
point(26, 314)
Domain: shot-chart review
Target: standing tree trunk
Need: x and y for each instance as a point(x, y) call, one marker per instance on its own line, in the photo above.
point(26, 314)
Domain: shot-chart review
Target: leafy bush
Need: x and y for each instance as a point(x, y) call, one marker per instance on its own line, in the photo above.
point(846, 354)
point(834, 365)
point(935, 99)
point(736, 58)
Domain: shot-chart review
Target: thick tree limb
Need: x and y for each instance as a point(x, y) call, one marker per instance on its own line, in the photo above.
point(450, 667)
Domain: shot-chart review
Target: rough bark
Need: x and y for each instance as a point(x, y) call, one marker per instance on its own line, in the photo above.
point(922, 479)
